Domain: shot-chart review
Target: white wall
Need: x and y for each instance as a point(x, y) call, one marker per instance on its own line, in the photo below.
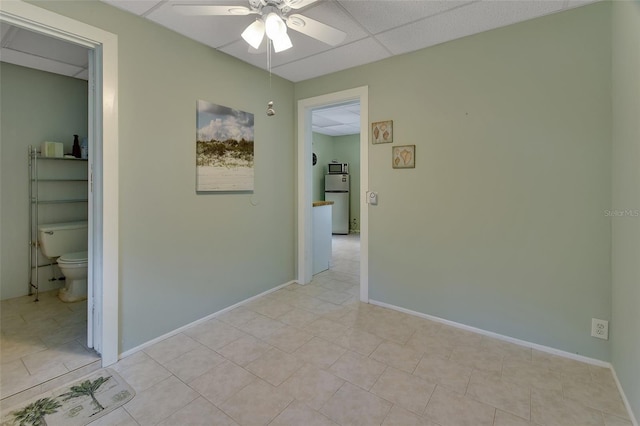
point(185, 255)
point(625, 325)
point(501, 224)
point(36, 106)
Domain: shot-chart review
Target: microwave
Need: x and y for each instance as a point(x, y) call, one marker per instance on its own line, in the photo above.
point(338, 168)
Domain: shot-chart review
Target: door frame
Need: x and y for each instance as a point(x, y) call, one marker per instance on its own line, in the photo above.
point(304, 179)
point(103, 271)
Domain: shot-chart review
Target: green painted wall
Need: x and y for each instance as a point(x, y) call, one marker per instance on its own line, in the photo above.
point(323, 148)
point(625, 325)
point(35, 106)
point(347, 150)
point(500, 225)
point(183, 255)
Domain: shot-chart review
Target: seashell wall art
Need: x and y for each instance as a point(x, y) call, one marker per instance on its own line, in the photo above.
point(382, 132)
point(404, 157)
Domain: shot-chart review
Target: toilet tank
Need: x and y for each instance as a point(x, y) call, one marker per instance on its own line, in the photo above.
point(57, 239)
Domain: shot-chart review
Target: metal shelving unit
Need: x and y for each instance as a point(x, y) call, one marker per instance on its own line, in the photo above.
point(35, 201)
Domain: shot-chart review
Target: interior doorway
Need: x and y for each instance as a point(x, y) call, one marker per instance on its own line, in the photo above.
point(305, 181)
point(102, 306)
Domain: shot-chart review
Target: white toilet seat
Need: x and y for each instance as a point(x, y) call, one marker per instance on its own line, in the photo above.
point(76, 258)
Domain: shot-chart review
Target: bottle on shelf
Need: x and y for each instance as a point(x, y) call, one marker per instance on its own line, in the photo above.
point(76, 147)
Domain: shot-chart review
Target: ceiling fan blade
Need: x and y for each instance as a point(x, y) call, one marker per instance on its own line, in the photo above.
point(298, 4)
point(204, 10)
point(316, 29)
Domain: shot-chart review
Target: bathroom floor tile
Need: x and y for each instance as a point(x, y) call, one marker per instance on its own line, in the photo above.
point(199, 412)
point(244, 350)
point(312, 385)
point(222, 381)
point(357, 369)
point(299, 414)
point(320, 352)
point(409, 392)
point(401, 357)
point(193, 364)
point(171, 347)
point(450, 408)
point(274, 366)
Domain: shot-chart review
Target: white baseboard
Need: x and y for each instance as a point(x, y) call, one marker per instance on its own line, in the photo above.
point(199, 321)
point(519, 342)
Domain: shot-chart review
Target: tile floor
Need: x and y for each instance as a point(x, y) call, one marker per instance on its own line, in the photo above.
point(314, 355)
point(40, 341)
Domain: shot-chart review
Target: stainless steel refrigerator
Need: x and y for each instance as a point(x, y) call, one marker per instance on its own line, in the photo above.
point(336, 189)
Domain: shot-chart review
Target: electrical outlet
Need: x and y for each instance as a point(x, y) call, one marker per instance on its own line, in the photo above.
point(600, 328)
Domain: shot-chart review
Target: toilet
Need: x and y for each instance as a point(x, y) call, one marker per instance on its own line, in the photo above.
point(67, 242)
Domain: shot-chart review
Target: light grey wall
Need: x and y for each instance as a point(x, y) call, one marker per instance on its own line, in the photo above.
point(500, 225)
point(625, 325)
point(184, 255)
point(35, 106)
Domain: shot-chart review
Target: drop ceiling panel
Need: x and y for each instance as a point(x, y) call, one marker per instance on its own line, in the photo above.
point(39, 63)
point(332, 14)
point(378, 16)
point(215, 31)
point(354, 54)
point(137, 7)
point(321, 121)
point(471, 19)
point(47, 47)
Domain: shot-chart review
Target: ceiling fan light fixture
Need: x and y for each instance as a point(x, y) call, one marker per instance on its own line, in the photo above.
point(274, 26)
point(254, 34)
point(282, 43)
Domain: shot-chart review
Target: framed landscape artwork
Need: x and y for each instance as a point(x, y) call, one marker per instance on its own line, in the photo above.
point(224, 148)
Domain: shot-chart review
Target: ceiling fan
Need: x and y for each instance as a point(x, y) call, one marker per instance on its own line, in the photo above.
point(273, 21)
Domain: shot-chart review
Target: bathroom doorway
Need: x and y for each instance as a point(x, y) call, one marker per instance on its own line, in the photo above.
point(102, 306)
point(305, 181)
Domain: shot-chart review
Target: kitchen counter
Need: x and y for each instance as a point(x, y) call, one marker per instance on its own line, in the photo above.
point(322, 203)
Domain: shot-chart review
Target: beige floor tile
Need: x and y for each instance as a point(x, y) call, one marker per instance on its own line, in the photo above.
point(505, 349)
point(158, 402)
point(319, 352)
point(403, 389)
point(261, 327)
point(15, 348)
point(357, 369)
point(335, 285)
point(400, 417)
point(298, 413)
point(70, 376)
point(327, 329)
point(244, 350)
point(237, 316)
point(442, 371)
point(457, 336)
point(65, 334)
point(311, 290)
point(214, 334)
point(476, 357)
point(400, 357)
point(506, 419)
point(222, 381)
point(531, 374)
point(143, 374)
point(171, 347)
point(193, 364)
point(507, 396)
point(274, 366)
point(269, 307)
point(359, 341)
point(351, 405)
point(199, 412)
point(450, 408)
point(118, 417)
point(396, 331)
point(289, 338)
point(298, 318)
point(256, 404)
point(564, 365)
point(550, 409)
point(610, 420)
point(430, 345)
point(603, 376)
point(312, 385)
point(595, 395)
point(334, 296)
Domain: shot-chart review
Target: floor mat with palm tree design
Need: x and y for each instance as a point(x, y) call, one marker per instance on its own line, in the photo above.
point(75, 404)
